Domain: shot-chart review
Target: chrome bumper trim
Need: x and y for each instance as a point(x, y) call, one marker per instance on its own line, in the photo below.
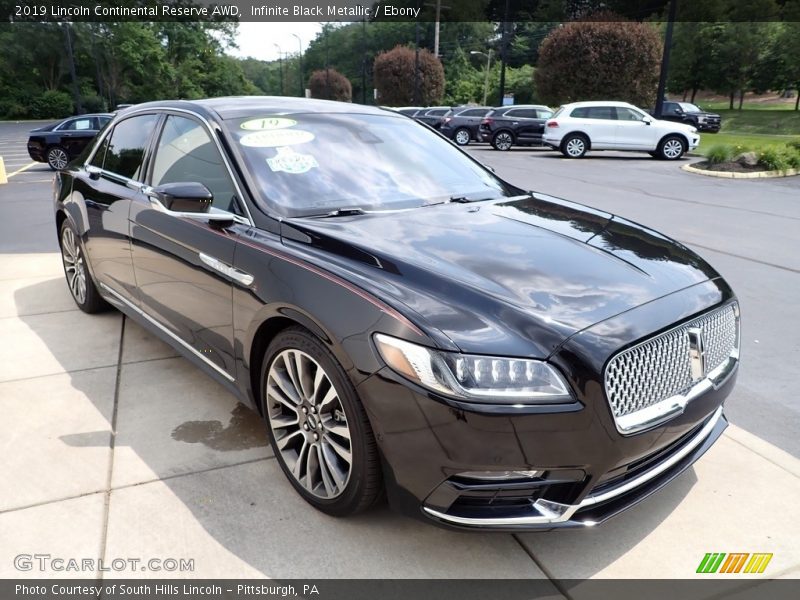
point(554, 512)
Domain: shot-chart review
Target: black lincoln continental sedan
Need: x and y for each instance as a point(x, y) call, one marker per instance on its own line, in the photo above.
point(58, 143)
point(402, 318)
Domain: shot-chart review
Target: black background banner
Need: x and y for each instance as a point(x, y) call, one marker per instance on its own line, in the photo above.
point(385, 10)
point(714, 587)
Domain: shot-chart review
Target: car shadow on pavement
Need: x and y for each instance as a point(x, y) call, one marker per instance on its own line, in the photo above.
point(192, 477)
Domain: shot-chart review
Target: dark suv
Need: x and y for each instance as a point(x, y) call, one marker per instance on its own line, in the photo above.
point(461, 124)
point(522, 124)
point(691, 114)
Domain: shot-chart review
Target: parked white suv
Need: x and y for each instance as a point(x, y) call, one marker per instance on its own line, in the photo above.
point(581, 126)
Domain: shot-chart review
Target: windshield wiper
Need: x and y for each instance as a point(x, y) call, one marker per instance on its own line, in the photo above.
point(343, 212)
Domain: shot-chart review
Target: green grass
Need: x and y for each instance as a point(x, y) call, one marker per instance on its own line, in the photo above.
point(745, 141)
point(719, 105)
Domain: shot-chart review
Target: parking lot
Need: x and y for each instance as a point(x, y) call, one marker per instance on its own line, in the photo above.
point(115, 447)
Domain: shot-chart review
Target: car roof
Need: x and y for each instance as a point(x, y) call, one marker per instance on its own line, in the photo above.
point(87, 115)
point(242, 106)
point(598, 103)
point(510, 106)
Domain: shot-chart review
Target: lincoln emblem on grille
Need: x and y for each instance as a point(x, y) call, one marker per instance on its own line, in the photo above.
point(697, 353)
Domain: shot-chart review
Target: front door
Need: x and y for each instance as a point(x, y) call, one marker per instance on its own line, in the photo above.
point(180, 260)
point(633, 131)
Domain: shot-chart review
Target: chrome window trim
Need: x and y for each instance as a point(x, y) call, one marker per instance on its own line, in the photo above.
point(143, 187)
point(555, 512)
point(161, 327)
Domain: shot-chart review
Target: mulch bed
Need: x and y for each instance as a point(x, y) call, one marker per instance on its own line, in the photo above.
point(728, 167)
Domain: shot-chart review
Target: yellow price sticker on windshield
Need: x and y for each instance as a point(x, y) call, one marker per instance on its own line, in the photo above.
point(268, 123)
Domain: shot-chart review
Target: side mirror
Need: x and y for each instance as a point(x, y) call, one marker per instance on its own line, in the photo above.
point(647, 121)
point(187, 197)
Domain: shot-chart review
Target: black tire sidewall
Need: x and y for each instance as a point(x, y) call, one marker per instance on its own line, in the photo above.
point(497, 135)
point(47, 156)
point(93, 302)
point(356, 495)
point(573, 136)
point(459, 130)
point(663, 143)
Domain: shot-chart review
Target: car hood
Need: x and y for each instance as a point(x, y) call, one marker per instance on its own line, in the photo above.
point(513, 277)
point(702, 113)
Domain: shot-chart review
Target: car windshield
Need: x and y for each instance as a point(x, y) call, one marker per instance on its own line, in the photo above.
point(314, 164)
point(687, 107)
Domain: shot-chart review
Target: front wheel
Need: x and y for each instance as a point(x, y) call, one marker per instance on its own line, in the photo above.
point(671, 148)
point(462, 137)
point(317, 426)
point(502, 141)
point(57, 158)
point(76, 270)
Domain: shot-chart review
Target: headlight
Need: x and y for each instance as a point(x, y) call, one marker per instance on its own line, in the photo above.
point(480, 378)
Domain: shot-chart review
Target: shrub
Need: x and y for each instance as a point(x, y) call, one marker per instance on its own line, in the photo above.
point(394, 77)
point(774, 159)
point(793, 155)
point(603, 59)
point(719, 153)
point(51, 104)
point(329, 84)
point(795, 145)
point(93, 104)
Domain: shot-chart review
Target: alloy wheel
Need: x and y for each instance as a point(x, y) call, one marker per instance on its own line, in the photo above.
point(576, 147)
point(57, 158)
point(309, 424)
point(462, 137)
point(673, 149)
point(74, 265)
point(503, 141)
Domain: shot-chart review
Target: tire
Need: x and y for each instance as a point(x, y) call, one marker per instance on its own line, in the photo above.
point(502, 140)
point(313, 450)
point(79, 279)
point(462, 136)
point(574, 145)
point(671, 147)
point(57, 158)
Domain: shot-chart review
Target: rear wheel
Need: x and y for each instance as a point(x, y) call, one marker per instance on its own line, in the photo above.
point(672, 147)
point(502, 140)
point(461, 137)
point(79, 280)
point(57, 158)
point(318, 428)
point(574, 146)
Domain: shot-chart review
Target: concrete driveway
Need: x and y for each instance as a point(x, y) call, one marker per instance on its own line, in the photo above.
point(116, 448)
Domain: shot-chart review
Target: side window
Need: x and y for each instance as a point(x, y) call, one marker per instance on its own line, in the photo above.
point(81, 124)
point(124, 154)
point(187, 153)
point(626, 114)
point(475, 112)
point(671, 108)
point(605, 113)
point(100, 156)
point(581, 112)
point(544, 114)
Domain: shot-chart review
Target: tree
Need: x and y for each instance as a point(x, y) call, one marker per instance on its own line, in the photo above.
point(329, 84)
point(396, 80)
point(599, 60)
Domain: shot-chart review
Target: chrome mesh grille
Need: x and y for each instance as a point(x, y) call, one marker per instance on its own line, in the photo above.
point(660, 367)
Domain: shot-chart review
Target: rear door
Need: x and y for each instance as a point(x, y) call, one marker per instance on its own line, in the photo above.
point(77, 133)
point(181, 260)
point(601, 125)
point(110, 183)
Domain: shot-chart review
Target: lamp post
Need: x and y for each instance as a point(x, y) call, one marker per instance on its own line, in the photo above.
point(486, 79)
point(280, 65)
point(300, 65)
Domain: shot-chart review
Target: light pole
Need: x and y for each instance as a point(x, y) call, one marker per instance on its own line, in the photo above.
point(486, 79)
point(300, 65)
point(280, 65)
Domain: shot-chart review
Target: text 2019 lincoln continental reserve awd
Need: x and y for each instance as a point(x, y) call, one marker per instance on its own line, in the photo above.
point(403, 319)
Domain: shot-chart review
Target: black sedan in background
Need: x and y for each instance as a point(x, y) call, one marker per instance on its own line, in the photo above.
point(58, 143)
point(521, 125)
point(461, 124)
point(433, 116)
point(401, 317)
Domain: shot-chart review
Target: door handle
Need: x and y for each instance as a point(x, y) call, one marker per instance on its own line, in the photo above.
point(231, 272)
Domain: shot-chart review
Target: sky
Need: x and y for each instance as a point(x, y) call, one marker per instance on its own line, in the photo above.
point(256, 39)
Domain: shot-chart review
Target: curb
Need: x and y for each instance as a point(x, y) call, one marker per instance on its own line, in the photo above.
point(730, 175)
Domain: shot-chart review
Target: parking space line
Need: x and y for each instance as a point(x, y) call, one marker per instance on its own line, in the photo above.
point(25, 168)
